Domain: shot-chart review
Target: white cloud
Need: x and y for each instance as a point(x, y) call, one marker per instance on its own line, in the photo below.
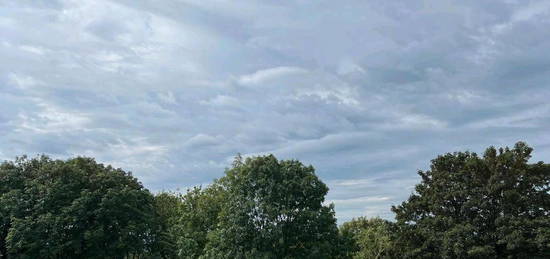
point(202, 140)
point(23, 81)
point(528, 12)
point(530, 118)
point(167, 97)
point(367, 92)
point(347, 67)
point(51, 119)
point(352, 182)
point(263, 75)
point(33, 49)
point(360, 201)
point(420, 121)
point(221, 100)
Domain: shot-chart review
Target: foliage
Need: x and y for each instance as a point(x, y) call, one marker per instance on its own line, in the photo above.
point(72, 209)
point(495, 206)
point(198, 217)
point(272, 209)
point(368, 238)
point(167, 208)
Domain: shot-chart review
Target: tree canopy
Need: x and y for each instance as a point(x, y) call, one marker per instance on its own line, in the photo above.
point(368, 238)
point(261, 208)
point(494, 206)
point(466, 206)
point(72, 209)
point(273, 209)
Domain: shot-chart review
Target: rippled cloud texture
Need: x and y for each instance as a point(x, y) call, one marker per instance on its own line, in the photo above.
point(366, 91)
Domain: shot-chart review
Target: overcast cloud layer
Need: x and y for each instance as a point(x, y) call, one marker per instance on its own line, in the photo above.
point(366, 91)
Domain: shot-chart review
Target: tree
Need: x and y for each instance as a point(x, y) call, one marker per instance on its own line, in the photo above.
point(495, 206)
point(272, 209)
point(368, 238)
point(167, 210)
point(375, 241)
point(198, 216)
point(72, 209)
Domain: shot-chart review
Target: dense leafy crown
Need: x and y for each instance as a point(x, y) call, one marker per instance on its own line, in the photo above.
point(261, 208)
point(273, 209)
point(466, 206)
point(72, 209)
point(495, 206)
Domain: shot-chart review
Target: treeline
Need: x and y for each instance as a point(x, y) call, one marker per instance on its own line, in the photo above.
point(466, 206)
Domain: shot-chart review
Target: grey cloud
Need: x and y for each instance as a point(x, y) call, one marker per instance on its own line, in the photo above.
point(366, 91)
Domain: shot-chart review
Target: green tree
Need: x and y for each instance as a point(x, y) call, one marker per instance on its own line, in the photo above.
point(73, 209)
point(349, 235)
point(185, 221)
point(495, 206)
point(167, 209)
point(272, 209)
point(198, 217)
point(364, 238)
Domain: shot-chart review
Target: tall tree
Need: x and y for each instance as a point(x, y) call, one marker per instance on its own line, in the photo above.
point(273, 209)
point(495, 206)
point(72, 209)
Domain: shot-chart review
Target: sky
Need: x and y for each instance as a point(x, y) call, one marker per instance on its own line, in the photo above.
point(368, 92)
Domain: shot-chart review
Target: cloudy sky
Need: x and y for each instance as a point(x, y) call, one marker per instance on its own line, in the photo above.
point(366, 91)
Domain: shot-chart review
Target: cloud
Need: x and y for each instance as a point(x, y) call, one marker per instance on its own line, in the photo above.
point(167, 97)
point(263, 75)
point(361, 201)
point(526, 13)
point(22, 81)
point(366, 91)
point(221, 100)
point(50, 120)
point(202, 140)
point(32, 49)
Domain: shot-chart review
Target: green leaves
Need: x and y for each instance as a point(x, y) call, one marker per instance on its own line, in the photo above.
point(368, 238)
point(467, 206)
point(494, 206)
point(73, 208)
point(272, 209)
